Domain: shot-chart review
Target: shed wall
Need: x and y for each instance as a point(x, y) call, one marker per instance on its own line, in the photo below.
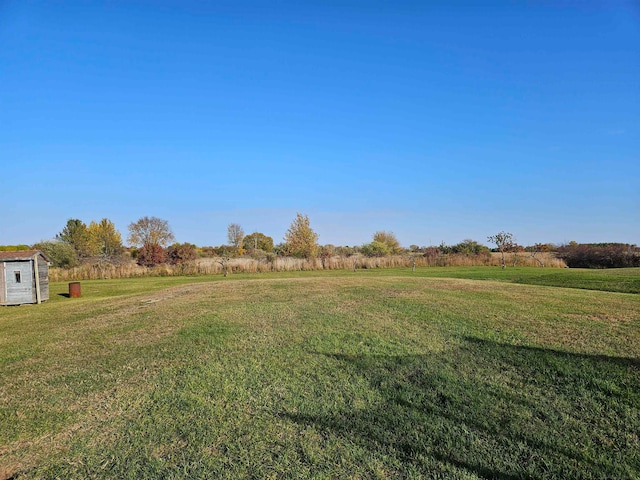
point(3, 288)
point(19, 290)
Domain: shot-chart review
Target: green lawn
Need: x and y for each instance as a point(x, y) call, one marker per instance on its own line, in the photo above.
point(624, 280)
point(438, 373)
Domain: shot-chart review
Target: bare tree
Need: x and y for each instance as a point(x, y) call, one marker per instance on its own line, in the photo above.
point(235, 235)
point(535, 249)
point(224, 261)
point(504, 242)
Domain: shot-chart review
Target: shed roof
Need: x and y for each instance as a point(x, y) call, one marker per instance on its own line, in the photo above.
point(22, 255)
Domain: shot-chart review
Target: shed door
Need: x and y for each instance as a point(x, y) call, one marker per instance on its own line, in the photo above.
point(19, 282)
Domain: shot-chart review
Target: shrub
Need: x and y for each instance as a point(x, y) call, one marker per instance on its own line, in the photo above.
point(600, 255)
point(346, 251)
point(61, 254)
point(389, 239)
point(375, 249)
point(469, 247)
point(150, 255)
point(13, 248)
point(181, 253)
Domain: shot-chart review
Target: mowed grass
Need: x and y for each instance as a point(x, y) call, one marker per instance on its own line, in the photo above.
point(373, 374)
point(624, 280)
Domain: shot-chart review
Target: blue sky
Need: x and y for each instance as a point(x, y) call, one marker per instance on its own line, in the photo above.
point(439, 121)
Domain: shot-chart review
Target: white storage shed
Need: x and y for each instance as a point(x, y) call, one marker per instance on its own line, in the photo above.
point(24, 277)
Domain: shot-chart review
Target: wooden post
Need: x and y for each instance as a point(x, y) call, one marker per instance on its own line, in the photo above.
point(37, 272)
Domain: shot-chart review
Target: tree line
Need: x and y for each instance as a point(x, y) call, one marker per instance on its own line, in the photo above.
point(152, 242)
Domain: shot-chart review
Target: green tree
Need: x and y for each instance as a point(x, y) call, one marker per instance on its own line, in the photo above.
point(105, 239)
point(300, 240)
point(389, 239)
point(150, 231)
point(76, 234)
point(258, 241)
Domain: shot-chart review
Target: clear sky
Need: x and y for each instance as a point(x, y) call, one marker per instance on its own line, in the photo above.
point(439, 121)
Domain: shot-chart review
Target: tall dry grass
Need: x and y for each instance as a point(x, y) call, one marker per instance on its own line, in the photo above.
point(217, 266)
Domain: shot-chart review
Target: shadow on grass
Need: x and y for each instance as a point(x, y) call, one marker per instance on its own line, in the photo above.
point(496, 411)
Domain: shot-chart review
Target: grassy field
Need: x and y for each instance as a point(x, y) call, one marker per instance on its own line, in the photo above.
point(438, 373)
